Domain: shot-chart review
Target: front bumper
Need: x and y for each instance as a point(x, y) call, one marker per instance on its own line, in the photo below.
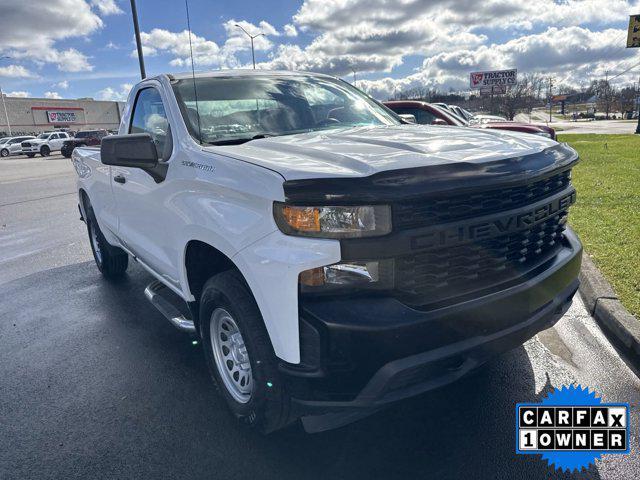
point(363, 353)
point(32, 149)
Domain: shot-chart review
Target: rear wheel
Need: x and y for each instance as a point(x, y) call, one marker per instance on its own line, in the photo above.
point(4, 152)
point(239, 353)
point(45, 151)
point(111, 261)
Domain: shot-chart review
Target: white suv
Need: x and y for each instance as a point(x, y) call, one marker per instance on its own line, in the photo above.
point(11, 145)
point(45, 143)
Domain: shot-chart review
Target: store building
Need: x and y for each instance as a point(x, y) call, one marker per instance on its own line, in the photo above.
point(36, 115)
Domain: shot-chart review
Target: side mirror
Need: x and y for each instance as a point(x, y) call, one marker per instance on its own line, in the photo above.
point(136, 150)
point(408, 117)
point(439, 121)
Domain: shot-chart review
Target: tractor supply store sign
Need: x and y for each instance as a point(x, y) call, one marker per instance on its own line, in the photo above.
point(497, 78)
point(57, 116)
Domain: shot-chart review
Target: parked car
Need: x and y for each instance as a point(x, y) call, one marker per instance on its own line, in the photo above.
point(429, 113)
point(461, 112)
point(481, 118)
point(11, 145)
point(86, 138)
point(332, 259)
point(44, 144)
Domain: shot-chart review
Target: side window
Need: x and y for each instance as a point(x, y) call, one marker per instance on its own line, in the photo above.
point(53, 136)
point(149, 117)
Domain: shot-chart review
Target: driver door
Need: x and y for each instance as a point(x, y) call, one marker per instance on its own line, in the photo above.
point(143, 217)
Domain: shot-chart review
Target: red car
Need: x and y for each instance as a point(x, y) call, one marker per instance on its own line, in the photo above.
point(429, 114)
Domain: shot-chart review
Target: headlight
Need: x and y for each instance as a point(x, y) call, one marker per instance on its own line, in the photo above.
point(333, 222)
point(369, 275)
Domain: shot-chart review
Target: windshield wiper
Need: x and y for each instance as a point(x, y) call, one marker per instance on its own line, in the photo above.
point(240, 140)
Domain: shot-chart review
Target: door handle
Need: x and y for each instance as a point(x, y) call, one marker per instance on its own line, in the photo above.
point(119, 179)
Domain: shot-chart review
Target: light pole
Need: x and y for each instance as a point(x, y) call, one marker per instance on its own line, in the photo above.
point(136, 30)
point(4, 105)
point(253, 54)
point(354, 76)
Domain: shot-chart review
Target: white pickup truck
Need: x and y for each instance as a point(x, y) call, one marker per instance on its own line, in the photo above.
point(333, 259)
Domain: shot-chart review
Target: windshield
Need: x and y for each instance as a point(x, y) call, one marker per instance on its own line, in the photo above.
point(43, 135)
point(237, 109)
point(3, 140)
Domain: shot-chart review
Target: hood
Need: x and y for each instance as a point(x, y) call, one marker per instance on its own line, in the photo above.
point(36, 141)
point(365, 151)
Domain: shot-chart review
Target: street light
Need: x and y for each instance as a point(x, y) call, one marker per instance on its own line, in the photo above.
point(253, 55)
point(4, 105)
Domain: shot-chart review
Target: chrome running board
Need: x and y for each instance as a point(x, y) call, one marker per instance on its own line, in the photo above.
point(154, 293)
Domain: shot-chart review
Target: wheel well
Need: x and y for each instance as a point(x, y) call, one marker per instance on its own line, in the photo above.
point(202, 261)
point(84, 202)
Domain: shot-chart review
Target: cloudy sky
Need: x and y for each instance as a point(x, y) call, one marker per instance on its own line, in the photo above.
point(85, 48)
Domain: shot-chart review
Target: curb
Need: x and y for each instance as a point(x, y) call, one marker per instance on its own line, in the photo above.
point(603, 304)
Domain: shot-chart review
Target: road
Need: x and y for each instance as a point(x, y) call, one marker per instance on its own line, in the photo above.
point(94, 383)
point(582, 126)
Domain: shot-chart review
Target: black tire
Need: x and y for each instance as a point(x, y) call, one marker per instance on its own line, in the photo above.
point(4, 152)
point(111, 261)
point(268, 407)
point(30, 155)
point(45, 151)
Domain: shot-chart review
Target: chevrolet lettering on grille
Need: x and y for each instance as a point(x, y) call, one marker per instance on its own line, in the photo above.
point(507, 223)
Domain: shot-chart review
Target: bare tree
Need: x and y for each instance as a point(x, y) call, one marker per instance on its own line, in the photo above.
point(605, 94)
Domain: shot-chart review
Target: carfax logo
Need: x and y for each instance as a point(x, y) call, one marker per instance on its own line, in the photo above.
point(572, 428)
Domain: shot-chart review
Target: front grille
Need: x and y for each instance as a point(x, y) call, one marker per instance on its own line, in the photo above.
point(433, 211)
point(441, 273)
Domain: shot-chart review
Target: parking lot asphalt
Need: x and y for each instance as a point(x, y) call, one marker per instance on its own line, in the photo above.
point(582, 126)
point(94, 383)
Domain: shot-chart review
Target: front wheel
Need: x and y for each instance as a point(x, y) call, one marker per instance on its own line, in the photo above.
point(239, 353)
point(4, 152)
point(111, 261)
point(45, 151)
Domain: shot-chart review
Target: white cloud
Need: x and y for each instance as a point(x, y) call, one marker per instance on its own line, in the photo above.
point(119, 94)
point(290, 30)
point(19, 94)
point(29, 29)
point(107, 7)
point(64, 84)
point(15, 71)
point(52, 95)
point(158, 40)
point(573, 54)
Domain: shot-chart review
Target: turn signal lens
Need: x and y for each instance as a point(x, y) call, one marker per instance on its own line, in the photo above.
point(304, 219)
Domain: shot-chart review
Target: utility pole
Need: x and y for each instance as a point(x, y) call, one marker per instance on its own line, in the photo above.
point(550, 92)
point(354, 76)
point(4, 105)
point(136, 29)
point(638, 105)
point(253, 54)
